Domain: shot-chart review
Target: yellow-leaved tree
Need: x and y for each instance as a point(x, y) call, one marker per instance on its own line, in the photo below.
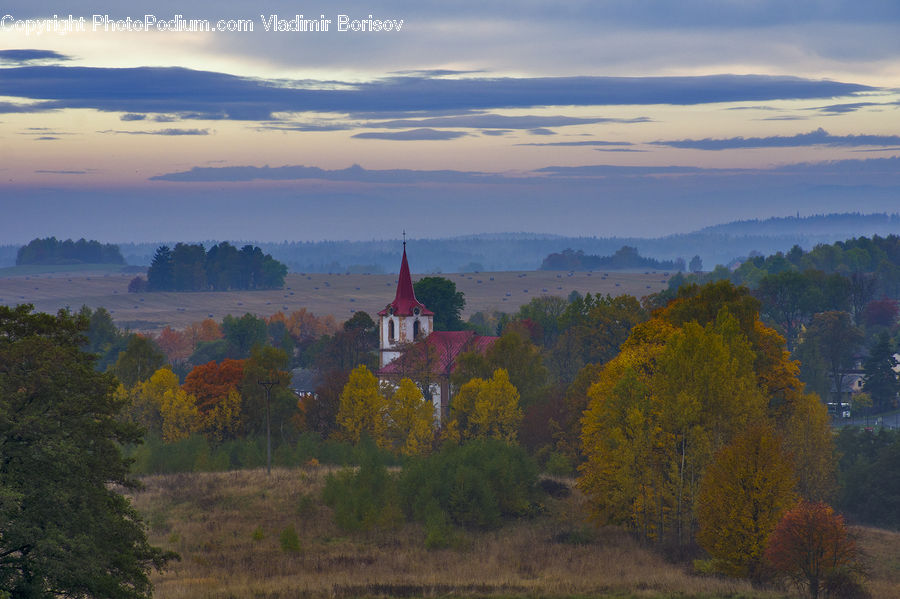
point(363, 409)
point(485, 409)
point(225, 421)
point(744, 493)
point(410, 419)
point(683, 386)
point(146, 398)
point(180, 416)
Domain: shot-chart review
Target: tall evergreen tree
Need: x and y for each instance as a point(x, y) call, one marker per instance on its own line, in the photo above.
point(881, 379)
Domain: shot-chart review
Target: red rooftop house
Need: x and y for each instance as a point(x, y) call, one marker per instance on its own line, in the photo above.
point(410, 347)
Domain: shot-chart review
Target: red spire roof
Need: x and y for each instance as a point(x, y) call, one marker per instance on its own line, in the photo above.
point(405, 299)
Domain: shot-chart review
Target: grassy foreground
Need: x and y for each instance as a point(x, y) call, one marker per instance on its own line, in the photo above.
point(229, 529)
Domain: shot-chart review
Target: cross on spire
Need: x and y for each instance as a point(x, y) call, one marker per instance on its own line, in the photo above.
point(404, 239)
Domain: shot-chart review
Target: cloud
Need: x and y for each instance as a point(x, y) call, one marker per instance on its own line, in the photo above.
point(618, 150)
point(49, 172)
point(412, 135)
point(594, 142)
point(851, 107)
point(497, 132)
point(173, 132)
point(819, 137)
point(353, 173)
point(11, 107)
point(27, 56)
point(132, 117)
point(541, 131)
point(46, 138)
point(205, 94)
point(499, 121)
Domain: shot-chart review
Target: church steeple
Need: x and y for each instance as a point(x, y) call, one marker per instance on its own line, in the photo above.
point(405, 302)
point(405, 319)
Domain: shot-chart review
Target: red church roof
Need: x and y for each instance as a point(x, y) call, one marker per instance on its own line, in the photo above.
point(440, 349)
point(405, 300)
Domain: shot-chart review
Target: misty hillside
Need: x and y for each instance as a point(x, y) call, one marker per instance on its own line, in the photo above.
point(718, 244)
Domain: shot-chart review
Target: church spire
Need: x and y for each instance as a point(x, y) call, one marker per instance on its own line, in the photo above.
point(405, 302)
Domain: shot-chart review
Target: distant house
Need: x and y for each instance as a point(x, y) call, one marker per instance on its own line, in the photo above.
point(410, 347)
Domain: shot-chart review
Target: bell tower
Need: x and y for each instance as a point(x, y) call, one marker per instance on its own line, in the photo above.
point(405, 319)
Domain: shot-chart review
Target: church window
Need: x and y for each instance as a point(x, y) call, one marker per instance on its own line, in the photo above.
point(391, 331)
point(416, 329)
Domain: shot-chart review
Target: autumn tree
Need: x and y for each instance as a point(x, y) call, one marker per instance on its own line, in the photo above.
point(684, 384)
point(485, 409)
point(176, 345)
point(410, 419)
point(180, 416)
point(210, 382)
point(145, 399)
point(363, 409)
point(744, 493)
point(810, 544)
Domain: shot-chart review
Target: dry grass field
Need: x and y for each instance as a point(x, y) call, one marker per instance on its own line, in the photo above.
point(226, 527)
point(336, 294)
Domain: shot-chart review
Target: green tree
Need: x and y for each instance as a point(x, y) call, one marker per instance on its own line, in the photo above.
point(881, 377)
point(243, 333)
point(836, 341)
point(64, 529)
point(141, 358)
point(441, 297)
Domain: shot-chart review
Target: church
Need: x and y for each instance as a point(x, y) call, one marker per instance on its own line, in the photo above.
point(410, 347)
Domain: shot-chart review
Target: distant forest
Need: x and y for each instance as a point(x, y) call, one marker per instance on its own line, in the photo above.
point(53, 251)
point(189, 267)
point(721, 244)
point(625, 258)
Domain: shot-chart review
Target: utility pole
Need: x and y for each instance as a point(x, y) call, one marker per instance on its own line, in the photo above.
point(267, 385)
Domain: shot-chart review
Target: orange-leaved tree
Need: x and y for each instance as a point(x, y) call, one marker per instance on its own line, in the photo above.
point(811, 545)
point(210, 382)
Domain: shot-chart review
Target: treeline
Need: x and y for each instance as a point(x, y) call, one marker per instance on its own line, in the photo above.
point(189, 267)
point(625, 258)
point(51, 250)
point(523, 251)
point(837, 307)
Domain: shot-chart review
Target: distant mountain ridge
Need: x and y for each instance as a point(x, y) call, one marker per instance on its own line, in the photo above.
point(718, 244)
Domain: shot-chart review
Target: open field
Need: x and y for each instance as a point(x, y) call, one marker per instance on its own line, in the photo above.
point(336, 294)
point(226, 527)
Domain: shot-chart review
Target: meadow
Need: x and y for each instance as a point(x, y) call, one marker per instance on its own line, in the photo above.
point(230, 530)
point(337, 294)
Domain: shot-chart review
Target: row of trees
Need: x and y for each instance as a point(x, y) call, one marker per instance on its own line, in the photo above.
point(625, 258)
point(51, 250)
point(189, 267)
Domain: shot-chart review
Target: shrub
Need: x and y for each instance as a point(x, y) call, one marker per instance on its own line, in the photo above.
point(289, 541)
point(258, 534)
point(364, 499)
point(475, 485)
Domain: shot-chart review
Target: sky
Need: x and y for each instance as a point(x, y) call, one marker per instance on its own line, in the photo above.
point(602, 117)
